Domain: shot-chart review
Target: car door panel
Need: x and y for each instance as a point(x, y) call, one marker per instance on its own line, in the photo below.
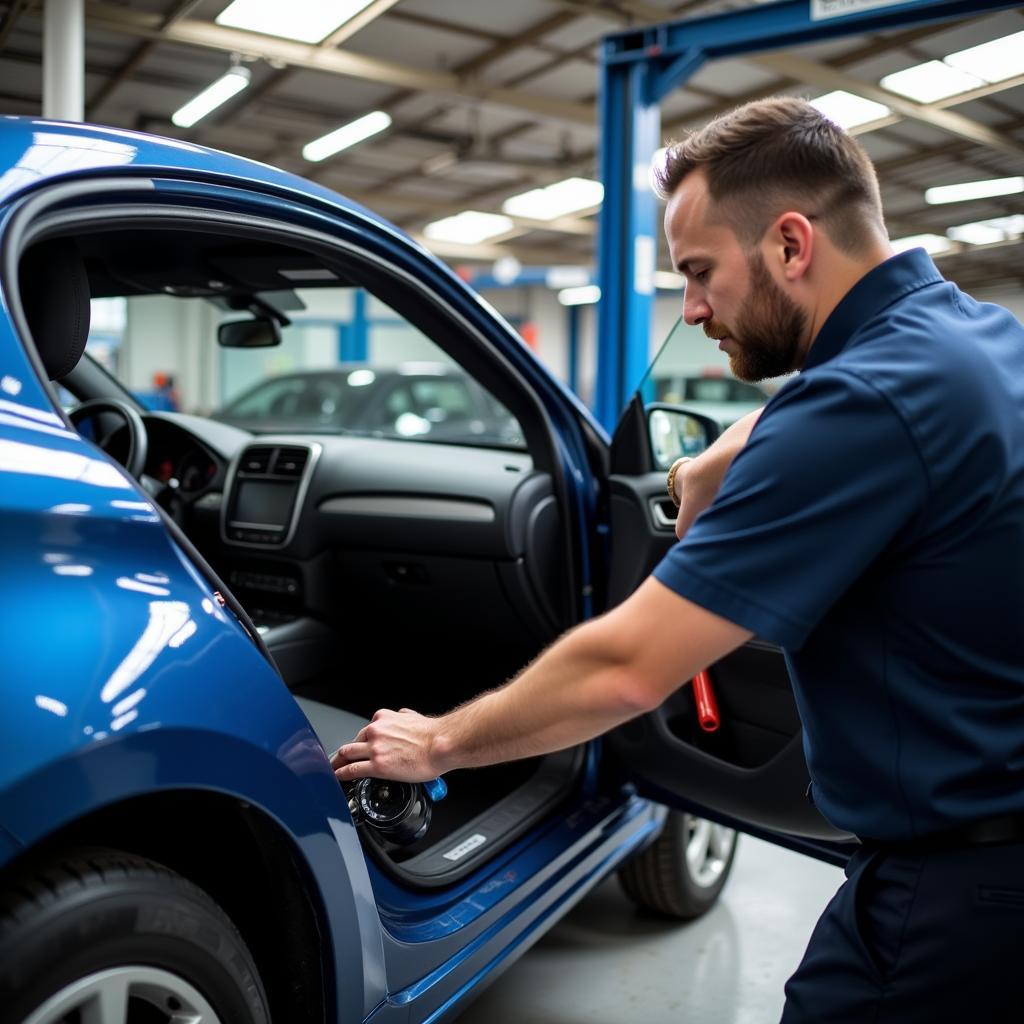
point(751, 770)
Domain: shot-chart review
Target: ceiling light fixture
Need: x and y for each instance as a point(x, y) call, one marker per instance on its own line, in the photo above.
point(308, 21)
point(978, 233)
point(440, 162)
point(849, 110)
point(932, 244)
point(968, 190)
point(985, 232)
point(212, 97)
point(668, 280)
point(930, 81)
point(347, 135)
point(994, 61)
point(468, 227)
point(582, 296)
point(568, 276)
point(557, 200)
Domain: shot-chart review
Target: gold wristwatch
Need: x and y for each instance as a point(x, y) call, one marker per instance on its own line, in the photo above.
point(672, 470)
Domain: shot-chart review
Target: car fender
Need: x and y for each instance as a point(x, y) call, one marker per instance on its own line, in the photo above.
point(301, 798)
point(125, 676)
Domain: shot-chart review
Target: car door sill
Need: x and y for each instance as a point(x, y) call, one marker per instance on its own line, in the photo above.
point(461, 851)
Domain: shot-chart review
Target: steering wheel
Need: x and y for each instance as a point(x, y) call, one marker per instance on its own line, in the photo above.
point(114, 442)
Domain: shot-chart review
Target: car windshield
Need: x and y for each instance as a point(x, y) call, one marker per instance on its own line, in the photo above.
point(689, 370)
point(346, 364)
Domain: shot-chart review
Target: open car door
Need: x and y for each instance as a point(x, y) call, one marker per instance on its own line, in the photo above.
point(749, 772)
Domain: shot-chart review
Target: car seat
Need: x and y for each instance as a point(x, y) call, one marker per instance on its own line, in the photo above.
point(54, 290)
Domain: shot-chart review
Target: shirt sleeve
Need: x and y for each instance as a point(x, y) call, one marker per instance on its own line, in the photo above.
point(830, 476)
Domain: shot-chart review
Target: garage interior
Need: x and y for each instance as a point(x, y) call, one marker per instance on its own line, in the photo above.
point(463, 113)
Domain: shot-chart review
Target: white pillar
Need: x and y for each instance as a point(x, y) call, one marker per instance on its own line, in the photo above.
point(64, 60)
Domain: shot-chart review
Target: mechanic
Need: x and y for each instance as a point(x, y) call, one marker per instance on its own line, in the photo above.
point(871, 523)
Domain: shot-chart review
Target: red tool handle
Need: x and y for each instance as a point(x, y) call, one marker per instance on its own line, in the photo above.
point(704, 698)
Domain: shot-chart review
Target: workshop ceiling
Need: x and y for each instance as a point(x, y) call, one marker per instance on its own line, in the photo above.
point(489, 99)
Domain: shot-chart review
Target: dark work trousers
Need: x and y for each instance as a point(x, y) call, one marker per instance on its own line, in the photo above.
point(917, 937)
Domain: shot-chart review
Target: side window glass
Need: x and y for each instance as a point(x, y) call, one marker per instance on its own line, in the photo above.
point(443, 401)
point(398, 402)
point(275, 398)
point(691, 373)
point(349, 363)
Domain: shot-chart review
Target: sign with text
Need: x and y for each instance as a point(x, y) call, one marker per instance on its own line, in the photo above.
point(822, 9)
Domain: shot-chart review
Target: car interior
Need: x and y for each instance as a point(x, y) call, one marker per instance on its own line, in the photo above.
point(376, 572)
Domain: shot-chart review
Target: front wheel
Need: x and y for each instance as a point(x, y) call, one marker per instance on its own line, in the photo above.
point(109, 937)
point(683, 871)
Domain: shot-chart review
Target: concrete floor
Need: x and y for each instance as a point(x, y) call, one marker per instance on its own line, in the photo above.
point(608, 964)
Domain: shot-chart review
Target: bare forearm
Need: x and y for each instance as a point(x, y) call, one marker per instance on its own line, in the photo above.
point(596, 677)
point(576, 690)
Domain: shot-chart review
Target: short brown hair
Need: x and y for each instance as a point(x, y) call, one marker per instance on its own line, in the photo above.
point(776, 154)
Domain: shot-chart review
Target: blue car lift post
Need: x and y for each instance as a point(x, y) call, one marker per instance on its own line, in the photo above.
point(638, 68)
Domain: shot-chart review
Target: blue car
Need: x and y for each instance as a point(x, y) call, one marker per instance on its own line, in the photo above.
point(196, 616)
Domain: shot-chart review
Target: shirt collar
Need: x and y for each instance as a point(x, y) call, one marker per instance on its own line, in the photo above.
point(878, 288)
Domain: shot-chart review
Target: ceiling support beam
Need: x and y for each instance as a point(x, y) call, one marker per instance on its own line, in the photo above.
point(135, 61)
point(356, 23)
point(14, 12)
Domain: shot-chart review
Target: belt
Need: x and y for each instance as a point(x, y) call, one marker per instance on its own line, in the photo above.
point(1006, 828)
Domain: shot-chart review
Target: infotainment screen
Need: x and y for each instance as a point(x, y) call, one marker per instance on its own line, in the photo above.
point(263, 503)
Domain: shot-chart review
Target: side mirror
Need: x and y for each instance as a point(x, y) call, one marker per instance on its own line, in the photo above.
point(259, 332)
point(674, 432)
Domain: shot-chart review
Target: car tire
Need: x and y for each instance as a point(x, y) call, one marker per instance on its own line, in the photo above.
point(683, 871)
point(98, 934)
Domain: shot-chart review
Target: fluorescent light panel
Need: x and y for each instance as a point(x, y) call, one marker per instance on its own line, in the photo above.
point(974, 190)
point(994, 61)
point(930, 81)
point(932, 244)
point(308, 21)
point(211, 97)
point(582, 296)
point(569, 276)
point(347, 135)
point(978, 233)
point(558, 200)
point(668, 280)
point(985, 232)
point(849, 110)
point(468, 227)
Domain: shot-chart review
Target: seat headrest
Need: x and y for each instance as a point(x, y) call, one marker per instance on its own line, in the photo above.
point(55, 296)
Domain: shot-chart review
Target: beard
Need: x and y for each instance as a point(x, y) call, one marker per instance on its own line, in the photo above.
point(768, 330)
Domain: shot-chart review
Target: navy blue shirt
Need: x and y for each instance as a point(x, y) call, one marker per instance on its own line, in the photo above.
point(873, 527)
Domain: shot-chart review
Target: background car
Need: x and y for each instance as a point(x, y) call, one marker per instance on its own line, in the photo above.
point(724, 399)
point(412, 400)
point(196, 615)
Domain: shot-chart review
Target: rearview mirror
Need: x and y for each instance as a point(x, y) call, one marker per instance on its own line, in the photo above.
point(674, 433)
point(259, 332)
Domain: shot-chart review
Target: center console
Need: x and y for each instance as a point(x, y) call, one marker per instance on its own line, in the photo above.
point(265, 488)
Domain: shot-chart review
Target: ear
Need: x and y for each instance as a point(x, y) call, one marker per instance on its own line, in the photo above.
point(790, 243)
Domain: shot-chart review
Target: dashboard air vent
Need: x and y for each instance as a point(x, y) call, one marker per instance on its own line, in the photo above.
point(256, 460)
point(291, 461)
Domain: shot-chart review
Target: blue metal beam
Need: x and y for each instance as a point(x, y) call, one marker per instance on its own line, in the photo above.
point(627, 244)
point(573, 324)
point(638, 68)
point(778, 26)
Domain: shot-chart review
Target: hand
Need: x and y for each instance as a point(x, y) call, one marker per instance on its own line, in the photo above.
point(698, 481)
point(397, 745)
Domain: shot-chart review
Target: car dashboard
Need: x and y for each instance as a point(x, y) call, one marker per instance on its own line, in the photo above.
point(335, 545)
